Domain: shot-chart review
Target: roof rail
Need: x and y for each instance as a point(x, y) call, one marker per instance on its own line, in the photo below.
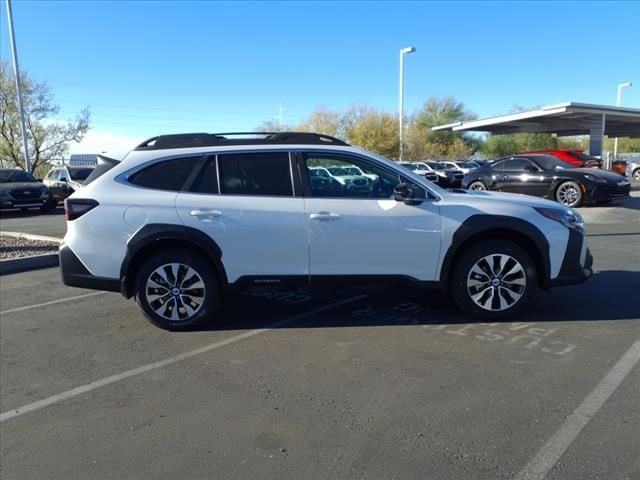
point(186, 140)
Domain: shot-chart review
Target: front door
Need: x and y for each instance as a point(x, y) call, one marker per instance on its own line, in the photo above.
point(357, 228)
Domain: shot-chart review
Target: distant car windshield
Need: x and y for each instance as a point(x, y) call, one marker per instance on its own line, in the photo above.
point(353, 170)
point(439, 166)
point(549, 162)
point(80, 173)
point(337, 171)
point(466, 164)
point(410, 166)
point(14, 176)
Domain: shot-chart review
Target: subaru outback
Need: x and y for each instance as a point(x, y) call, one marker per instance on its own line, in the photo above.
point(182, 219)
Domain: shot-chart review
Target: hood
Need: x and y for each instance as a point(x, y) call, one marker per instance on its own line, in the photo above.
point(607, 175)
point(520, 199)
point(22, 185)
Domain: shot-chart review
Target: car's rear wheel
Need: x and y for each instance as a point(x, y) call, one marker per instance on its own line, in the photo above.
point(636, 174)
point(478, 185)
point(569, 194)
point(494, 279)
point(177, 289)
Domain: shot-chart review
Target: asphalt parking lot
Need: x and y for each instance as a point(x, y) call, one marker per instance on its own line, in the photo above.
point(335, 384)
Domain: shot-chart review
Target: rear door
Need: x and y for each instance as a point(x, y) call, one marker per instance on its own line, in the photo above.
point(247, 203)
point(521, 175)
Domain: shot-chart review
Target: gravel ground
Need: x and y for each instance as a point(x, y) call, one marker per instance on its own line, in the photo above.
point(17, 247)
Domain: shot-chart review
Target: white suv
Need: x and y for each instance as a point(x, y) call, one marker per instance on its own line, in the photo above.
point(183, 218)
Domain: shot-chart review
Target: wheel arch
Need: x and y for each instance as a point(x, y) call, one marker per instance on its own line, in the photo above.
point(481, 228)
point(153, 238)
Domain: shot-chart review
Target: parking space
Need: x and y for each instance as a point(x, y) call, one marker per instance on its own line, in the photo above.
point(385, 383)
point(51, 224)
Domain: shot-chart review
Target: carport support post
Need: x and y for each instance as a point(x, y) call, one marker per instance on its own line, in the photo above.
point(596, 134)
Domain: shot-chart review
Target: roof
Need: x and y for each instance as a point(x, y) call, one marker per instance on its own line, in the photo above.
point(564, 119)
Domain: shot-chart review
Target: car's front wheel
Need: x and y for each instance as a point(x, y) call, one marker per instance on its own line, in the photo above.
point(477, 185)
point(493, 279)
point(569, 194)
point(636, 174)
point(177, 289)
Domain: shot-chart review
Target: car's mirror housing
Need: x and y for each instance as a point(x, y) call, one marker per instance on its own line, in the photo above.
point(404, 193)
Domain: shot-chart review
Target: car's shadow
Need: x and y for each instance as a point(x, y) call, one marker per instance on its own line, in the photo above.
point(608, 296)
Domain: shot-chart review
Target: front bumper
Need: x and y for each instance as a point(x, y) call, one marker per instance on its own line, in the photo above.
point(604, 193)
point(577, 266)
point(7, 203)
point(75, 274)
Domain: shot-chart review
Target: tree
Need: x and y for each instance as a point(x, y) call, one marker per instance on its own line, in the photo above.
point(423, 143)
point(47, 137)
point(376, 131)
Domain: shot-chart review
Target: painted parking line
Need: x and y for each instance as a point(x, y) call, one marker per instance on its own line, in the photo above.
point(554, 448)
point(163, 363)
point(52, 302)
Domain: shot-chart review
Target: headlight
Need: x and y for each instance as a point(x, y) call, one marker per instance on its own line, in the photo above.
point(595, 179)
point(567, 217)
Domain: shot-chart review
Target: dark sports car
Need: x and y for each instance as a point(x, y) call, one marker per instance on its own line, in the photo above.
point(547, 176)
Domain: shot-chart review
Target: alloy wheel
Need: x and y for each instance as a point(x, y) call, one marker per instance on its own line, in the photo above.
point(175, 291)
point(567, 194)
point(496, 282)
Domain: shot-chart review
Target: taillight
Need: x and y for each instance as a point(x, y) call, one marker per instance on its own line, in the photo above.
point(76, 207)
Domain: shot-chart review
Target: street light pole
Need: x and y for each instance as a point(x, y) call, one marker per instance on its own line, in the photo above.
point(615, 141)
point(403, 51)
point(16, 71)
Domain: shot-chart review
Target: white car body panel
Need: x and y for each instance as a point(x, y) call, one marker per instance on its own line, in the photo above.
point(373, 237)
point(257, 235)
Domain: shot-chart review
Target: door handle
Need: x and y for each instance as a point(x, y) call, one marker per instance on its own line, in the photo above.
point(205, 213)
point(324, 216)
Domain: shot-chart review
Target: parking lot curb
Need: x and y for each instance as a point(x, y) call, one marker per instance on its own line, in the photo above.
point(25, 264)
point(30, 236)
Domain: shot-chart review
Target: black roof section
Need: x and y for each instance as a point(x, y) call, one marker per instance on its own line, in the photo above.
point(186, 140)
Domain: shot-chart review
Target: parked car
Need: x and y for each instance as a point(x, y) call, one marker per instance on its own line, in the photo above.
point(185, 218)
point(347, 179)
point(466, 166)
point(63, 181)
point(449, 176)
point(421, 169)
point(20, 189)
point(633, 169)
point(577, 158)
point(353, 170)
point(549, 177)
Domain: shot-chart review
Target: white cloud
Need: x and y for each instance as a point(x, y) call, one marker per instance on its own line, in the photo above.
point(101, 142)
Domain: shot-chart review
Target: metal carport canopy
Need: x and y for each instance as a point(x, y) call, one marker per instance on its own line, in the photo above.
point(563, 119)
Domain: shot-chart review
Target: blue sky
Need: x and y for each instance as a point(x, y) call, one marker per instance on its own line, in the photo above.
point(153, 67)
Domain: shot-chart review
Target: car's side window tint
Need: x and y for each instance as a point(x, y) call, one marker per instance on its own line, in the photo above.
point(499, 165)
point(207, 179)
point(418, 190)
point(517, 164)
point(166, 175)
point(263, 174)
point(345, 176)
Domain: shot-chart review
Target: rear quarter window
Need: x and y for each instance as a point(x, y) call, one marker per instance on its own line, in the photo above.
point(169, 175)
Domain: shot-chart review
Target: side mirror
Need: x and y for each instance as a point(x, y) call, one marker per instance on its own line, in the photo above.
point(64, 179)
point(404, 193)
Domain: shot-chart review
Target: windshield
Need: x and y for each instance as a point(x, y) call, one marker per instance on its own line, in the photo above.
point(14, 176)
point(410, 166)
point(353, 170)
point(549, 162)
point(79, 173)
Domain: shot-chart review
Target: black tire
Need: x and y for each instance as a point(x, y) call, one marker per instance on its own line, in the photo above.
point(569, 194)
point(502, 299)
point(477, 185)
point(169, 302)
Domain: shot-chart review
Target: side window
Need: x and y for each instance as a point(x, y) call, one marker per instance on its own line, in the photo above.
point(207, 179)
point(262, 174)
point(517, 164)
point(166, 175)
point(344, 176)
point(499, 165)
point(53, 174)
